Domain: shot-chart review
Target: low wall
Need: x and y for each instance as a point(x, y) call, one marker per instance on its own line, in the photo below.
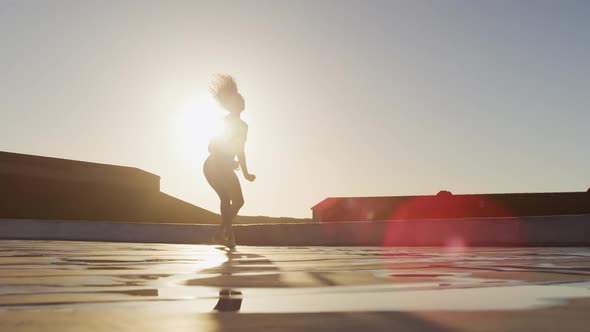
point(530, 231)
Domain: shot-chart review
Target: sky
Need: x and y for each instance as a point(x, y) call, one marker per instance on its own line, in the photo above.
point(343, 98)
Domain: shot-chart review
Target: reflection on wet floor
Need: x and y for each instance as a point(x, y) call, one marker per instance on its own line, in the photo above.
point(48, 275)
point(229, 300)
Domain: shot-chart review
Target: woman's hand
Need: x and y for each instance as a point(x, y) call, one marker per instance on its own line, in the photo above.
point(242, 160)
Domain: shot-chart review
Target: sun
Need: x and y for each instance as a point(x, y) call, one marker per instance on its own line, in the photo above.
point(198, 120)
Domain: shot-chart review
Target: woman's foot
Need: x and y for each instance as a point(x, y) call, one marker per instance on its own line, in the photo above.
point(230, 239)
point(218, 237)
point(230, 244)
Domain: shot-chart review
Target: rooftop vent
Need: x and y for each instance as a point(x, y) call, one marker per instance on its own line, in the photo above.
point(444, 193)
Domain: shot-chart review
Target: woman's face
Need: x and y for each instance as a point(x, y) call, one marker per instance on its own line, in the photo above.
point(238, 104)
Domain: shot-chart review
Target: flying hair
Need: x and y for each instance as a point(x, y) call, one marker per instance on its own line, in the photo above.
point(224, 89)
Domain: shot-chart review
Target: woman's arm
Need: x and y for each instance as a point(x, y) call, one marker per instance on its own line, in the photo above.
point(244, 166)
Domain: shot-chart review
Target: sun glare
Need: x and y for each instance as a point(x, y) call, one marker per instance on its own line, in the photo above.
point(212, 257)
point(198, 120)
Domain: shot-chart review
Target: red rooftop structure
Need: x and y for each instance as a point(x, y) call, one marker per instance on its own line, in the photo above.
point(445, 205)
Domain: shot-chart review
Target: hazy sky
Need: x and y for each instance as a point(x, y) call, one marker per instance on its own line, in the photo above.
point(344, 98)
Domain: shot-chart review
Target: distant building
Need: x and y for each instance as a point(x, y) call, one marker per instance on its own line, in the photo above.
point(34, 187)
point(445, 205)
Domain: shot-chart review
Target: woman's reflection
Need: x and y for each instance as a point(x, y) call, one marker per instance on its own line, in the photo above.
point(229, 300)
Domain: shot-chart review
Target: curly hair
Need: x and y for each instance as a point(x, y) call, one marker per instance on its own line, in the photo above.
point(224, 89)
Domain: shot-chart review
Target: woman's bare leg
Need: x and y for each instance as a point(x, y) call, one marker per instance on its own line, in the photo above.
point(237, 201)
point(216, 179)
point(228, 188)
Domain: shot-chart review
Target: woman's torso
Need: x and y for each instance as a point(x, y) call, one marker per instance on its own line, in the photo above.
point(225, 148)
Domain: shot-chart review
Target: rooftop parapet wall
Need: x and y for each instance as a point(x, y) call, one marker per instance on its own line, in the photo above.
point(451, 233)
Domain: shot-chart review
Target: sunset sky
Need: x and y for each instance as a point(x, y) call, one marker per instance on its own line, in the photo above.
point(343, 98)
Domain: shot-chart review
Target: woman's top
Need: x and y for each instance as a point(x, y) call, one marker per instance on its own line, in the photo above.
point(232, 142)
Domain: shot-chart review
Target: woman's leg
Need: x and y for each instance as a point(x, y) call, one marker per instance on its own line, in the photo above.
point(235, 194)
point(216, 178)
point(234, 189)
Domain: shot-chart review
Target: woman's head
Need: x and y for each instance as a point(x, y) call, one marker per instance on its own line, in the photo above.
point(225, 90)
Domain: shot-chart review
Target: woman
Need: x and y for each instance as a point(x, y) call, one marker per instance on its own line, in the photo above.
point(220, 165)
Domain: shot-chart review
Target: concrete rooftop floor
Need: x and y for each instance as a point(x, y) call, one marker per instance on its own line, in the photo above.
point(102, 286)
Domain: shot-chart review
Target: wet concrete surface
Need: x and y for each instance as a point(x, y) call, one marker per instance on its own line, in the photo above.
point(101, 286)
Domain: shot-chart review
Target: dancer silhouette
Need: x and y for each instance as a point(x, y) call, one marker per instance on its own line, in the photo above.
point(220, 166)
